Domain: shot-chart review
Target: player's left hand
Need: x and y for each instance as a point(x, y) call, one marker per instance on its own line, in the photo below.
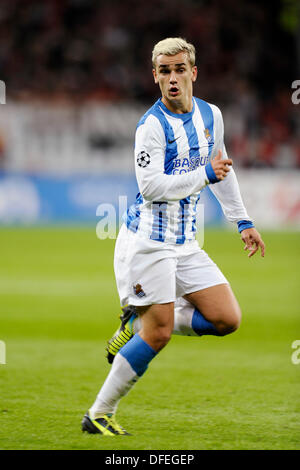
point(253, 241)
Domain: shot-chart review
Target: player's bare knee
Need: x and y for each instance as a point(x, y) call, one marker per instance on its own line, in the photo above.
point(230, 324)
point(228, 329)
point(162, 337)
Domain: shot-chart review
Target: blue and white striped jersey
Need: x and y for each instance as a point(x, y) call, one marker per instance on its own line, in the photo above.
point(171, 152)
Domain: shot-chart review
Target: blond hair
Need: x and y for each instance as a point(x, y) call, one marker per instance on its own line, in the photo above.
point(172, 46)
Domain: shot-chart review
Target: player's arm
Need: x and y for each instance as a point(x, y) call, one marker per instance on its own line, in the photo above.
point(228, 194)
point(154, 184)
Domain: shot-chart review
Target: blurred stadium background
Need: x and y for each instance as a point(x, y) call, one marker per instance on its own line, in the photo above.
point(78, 78)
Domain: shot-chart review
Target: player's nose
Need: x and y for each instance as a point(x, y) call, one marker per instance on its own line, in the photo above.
point(173, 78)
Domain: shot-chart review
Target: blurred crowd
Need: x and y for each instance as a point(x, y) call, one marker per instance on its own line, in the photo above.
point(100, 50)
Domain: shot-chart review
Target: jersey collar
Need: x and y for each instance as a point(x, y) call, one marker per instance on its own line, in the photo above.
point(183, 116)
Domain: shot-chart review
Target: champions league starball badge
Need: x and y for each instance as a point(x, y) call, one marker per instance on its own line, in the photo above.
point(143, 159)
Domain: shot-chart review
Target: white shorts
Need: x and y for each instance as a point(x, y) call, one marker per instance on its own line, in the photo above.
point(151, 272)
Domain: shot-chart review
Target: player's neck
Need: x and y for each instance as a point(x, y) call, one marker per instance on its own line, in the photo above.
point(178, 106)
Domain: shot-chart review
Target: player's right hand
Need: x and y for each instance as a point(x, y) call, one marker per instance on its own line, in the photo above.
point(221, 166)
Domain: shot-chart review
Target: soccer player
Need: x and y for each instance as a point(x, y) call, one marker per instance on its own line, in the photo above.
point(179, 149)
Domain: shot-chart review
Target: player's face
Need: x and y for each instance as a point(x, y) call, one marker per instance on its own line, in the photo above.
point(175, 77)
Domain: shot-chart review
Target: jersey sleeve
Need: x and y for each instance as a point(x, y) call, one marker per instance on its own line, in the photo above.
point(154, 184)
point(227, 191)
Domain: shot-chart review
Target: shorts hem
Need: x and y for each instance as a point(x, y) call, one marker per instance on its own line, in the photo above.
point(144, 303)
point(209, 284)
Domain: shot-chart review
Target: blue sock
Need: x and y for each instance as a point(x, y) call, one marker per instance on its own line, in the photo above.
point(138, 353)
point(201, 326)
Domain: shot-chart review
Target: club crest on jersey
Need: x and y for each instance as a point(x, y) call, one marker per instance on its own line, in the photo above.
point(138, 290)
point(143, 159)
point(207, 135)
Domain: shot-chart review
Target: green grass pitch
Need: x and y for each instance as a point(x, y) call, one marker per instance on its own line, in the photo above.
point(59, 305)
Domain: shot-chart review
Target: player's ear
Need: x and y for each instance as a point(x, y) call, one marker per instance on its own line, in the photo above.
point(194, 73)
point(155, 76)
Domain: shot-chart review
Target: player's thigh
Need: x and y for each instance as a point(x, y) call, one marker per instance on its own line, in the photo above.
point(217, 304)
point(202, 283)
